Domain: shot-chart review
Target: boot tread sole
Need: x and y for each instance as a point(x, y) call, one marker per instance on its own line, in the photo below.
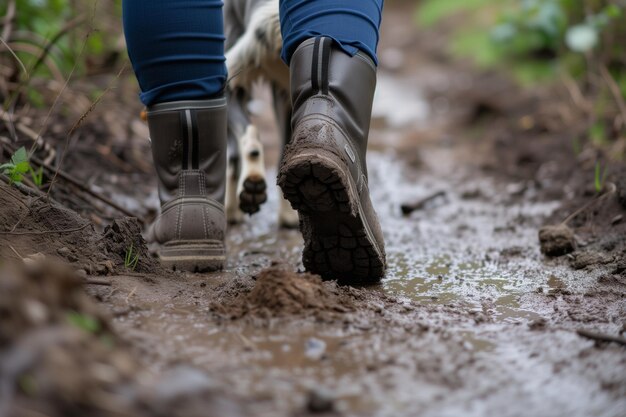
point(338, 244)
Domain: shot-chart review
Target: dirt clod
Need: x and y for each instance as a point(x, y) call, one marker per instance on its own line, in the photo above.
point(584, 259)
point(281, 292)
point(123, 238)
point(557, 240)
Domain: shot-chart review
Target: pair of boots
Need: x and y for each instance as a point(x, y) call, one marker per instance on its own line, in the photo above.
point(323, 173)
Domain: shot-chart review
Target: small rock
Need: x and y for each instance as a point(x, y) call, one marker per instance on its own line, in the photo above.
point(315, 348)
point(557, 240)
point(64, 251)
point(182, 382)
point(617, 219)
point(104, 268)
point(320, 401)
point(585, 259)
point(538, 324)
point(67, 254)
point(36, 311)
point(81, 273)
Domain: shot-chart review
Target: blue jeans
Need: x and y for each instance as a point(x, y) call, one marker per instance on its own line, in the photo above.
point(177, 46)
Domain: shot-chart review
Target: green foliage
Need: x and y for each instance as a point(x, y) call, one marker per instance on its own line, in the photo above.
point(84, 322)
point(599, 177)
point(537, 26)
point(37, 176)
point(431, 12)
point(131, 259)
point(17, 166)
point(597, 133)
point(544, 26)
point(544, 41)
point(534, 39)
point(53, 38)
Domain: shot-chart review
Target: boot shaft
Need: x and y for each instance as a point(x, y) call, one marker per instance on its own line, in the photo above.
point(328, 82)
point(189, 148)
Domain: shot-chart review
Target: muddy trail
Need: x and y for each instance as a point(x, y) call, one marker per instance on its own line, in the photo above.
point(471, 319)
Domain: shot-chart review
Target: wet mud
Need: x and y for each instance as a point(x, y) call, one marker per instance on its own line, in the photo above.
point(471, 318)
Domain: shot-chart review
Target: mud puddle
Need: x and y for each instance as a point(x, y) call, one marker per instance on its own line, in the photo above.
point(470, 319)
point(462, 313)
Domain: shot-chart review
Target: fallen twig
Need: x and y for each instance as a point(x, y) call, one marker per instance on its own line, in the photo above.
point(130, 294)
point(68, 178)
point(19, 255)
point(57, 171)
point(45, 232)
point(612, 188)
point(601, 336)
point(408, 208)
point(94, 281)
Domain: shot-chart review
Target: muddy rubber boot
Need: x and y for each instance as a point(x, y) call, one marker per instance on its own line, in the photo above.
point(323, 173)
point(189, 150)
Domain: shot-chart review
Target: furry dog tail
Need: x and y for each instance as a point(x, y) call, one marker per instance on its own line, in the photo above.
point(256, 54)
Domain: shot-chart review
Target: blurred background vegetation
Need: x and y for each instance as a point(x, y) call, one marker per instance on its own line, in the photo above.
point(538, 42)
point(544, 42)
point(47, 42)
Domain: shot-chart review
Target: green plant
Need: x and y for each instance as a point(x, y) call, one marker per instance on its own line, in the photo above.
point(431, 12)
point(599, 177)
point(37, 176)
point(84, 322)
point(17, 166)
point(536, 27)
point(544, 26)
point(131, 259)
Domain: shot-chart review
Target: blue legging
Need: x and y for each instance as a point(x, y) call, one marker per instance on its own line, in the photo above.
point(177, 46)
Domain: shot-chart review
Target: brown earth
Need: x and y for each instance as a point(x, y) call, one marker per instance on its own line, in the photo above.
point(471, 318)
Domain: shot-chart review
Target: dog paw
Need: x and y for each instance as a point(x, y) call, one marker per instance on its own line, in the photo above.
point(253, 194)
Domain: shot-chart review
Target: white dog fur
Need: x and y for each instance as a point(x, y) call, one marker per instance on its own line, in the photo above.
point(253, 45)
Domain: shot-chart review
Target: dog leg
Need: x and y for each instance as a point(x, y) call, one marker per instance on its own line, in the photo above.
point(233, 214)
point(251, 188)
point(287, 216)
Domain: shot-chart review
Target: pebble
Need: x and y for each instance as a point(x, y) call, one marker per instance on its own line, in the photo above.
point(67, 254)
point(183, 381)
point(557, 240)
point(314, 348)
point(320, 401)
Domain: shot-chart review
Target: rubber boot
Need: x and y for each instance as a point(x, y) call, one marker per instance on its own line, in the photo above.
point(323, 173)
point(189, 151)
